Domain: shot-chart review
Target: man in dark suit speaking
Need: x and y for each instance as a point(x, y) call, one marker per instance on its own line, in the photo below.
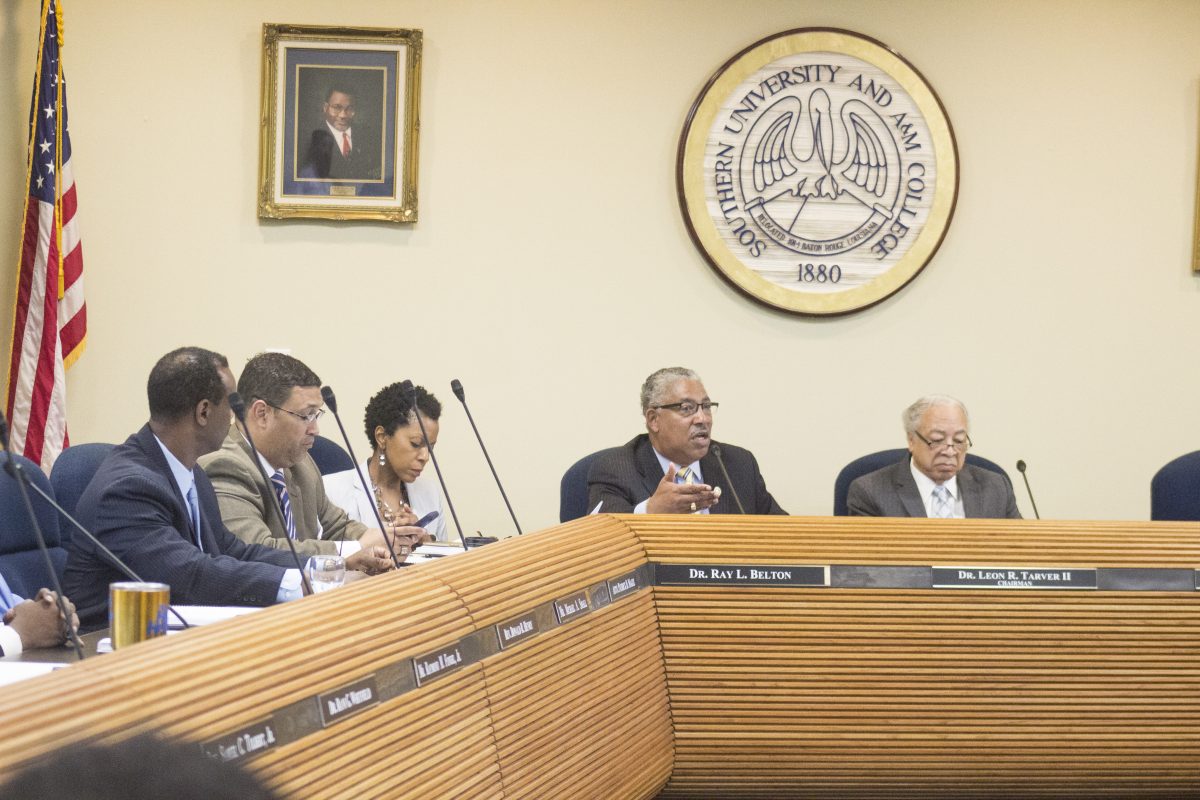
point(675, 467)
point(156, 510)
point(338, 150)
point(936, 481)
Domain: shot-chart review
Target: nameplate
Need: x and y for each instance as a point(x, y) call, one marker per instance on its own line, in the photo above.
point(437, 664)
point(622, 586)
point(572, 606)
point(250, 741)
point(516, 629)
point(1013, 578)
point(347, 700)
point(343, 191)
point(741, 575)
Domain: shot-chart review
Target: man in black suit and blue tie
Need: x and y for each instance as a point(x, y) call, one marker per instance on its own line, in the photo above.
point(155, 508)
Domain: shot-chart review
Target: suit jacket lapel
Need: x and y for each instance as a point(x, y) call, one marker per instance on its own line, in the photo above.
point(710, 471)
point(648, 467)
point(972, 497)
point(149, 444)
point(906, 490)
point(265, 490)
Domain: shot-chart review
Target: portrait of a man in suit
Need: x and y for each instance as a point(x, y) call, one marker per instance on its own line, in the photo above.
point(342, 146)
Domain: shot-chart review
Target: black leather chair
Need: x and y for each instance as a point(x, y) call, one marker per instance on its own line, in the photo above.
point(21, 560)
point(573, 491)
point(330, 456)
point(884, 458)
point(1175, 490)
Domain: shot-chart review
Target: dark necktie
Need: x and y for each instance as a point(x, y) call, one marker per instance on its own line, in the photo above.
point(285, 502)
point(194, 512)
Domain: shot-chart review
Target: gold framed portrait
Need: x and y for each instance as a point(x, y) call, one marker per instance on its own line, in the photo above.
point(339, 123)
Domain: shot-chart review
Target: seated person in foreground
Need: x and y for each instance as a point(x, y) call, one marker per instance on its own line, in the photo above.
point(399, 490)
point(145, 767)
point(672, 468)
point(155, 508)
point(283, 403)
point(30, 624)
point(935, 481)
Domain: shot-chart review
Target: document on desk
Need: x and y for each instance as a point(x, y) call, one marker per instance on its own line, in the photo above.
point(206, 615)
point(433, 550)
point(13, 671)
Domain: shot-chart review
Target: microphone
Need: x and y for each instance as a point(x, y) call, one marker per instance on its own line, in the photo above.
point(109, 555)
point(331, 402)
point(22, 480)
point(408, 390)
point(715, 449)
point(1021, 469)
point(239, 410)
point(457, 387)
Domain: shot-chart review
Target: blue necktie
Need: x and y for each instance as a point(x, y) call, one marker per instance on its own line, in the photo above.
point(194, 510)
point(7, 599)
point(285, 502)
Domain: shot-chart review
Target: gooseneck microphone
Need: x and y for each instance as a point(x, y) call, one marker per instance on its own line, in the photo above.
point(331, 402)
point(408, 390)
point(457, 387)
point(239, 410)
point(715, 449)
point(22, 481)
point(1028, 491)
point(109, 555)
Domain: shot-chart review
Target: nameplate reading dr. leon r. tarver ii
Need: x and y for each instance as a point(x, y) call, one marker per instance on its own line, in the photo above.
point(1013, 578)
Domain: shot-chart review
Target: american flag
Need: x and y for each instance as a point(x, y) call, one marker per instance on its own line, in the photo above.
point(50, 322)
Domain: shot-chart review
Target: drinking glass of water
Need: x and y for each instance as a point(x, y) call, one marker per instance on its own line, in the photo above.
point(326, 572)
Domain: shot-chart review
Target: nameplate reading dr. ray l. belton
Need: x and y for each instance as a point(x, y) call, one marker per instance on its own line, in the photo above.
point(740, 575)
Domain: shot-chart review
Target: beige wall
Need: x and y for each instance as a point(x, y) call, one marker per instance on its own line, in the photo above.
point(550, 267)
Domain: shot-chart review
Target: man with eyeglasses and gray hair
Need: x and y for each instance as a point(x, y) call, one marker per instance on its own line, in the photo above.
point(283, 403)
point(935, 481)
point(676, 467)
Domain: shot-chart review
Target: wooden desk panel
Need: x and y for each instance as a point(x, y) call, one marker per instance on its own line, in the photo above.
point(777, 691)
point(878, 689)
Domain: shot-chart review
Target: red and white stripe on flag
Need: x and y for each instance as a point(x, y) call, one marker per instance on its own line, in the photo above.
point(50, 318)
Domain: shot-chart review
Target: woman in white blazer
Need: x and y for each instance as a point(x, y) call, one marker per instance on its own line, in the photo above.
point(399, 488)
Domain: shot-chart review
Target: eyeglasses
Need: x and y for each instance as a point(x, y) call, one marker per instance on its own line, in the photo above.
point(308, 418)
point(687, 408)
point(338, 108)
point(961, 445)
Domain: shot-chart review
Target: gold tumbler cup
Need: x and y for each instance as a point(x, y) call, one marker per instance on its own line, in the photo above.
point(137, 611)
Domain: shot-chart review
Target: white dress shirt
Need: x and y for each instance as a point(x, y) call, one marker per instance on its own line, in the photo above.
point(925, 486)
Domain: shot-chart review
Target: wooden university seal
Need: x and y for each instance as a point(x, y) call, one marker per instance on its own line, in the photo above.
point(817, 171)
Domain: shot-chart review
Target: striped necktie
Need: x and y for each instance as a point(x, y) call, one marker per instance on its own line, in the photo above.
point(685, 475)
point(943, 506)
point(285, 502)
